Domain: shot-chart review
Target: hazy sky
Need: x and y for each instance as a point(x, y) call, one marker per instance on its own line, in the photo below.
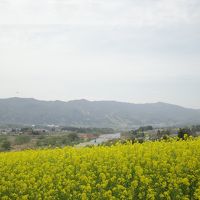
point(126, 50)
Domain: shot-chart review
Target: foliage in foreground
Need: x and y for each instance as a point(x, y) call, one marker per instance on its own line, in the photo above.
point(152, 170)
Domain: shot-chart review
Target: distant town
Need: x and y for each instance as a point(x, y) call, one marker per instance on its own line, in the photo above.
point(16, 137)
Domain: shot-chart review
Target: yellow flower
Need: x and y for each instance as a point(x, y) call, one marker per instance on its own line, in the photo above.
point(151, 170)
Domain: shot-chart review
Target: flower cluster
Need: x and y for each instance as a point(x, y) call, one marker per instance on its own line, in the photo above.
point(152, 170)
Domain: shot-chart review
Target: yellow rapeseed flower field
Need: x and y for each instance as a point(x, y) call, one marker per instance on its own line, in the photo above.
point(152, 170)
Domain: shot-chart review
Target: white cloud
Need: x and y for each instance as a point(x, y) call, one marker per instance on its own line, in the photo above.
point(101, 49)
point(95, 12)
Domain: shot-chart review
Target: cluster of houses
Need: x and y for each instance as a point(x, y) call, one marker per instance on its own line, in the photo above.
point(29, 130)
point(20, 131)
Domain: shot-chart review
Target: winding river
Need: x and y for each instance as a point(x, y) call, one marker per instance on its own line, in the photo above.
point(101, 139)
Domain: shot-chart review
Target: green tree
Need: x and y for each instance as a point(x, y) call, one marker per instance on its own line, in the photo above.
point(73, 137)
point(184, 131)
point(6, 145)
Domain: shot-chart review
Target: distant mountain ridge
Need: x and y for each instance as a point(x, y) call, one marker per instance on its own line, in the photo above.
point(84, 113)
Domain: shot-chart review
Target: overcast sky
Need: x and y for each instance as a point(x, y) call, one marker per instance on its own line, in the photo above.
point(126, 50)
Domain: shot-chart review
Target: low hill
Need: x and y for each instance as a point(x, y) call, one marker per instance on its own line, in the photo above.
point(83, 113)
